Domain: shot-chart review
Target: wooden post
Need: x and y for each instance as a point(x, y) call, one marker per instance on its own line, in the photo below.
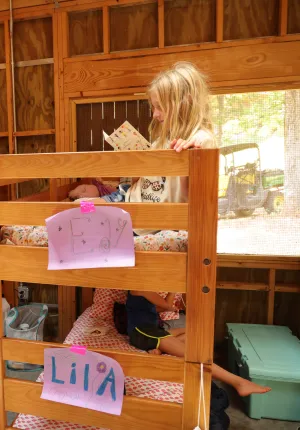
point(219, 20)
point(3, 422)
point(271, 296)
point(161, 23)
point(283, 17)
point(106, 30)
point(201, 279)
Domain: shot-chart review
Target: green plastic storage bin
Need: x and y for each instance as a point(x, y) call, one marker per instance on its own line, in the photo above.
point(267, 355)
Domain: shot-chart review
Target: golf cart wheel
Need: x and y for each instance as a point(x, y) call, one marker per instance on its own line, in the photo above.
point(274, 202)
point(242, 213)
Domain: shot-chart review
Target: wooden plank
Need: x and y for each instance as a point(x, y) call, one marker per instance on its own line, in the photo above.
point(161, 23)
point(202, 259)
point(158, 271)
point(86, 32)
point(87, 295)
point(242, 286)
point(40, 62)
point(191, 396)
point(220, 20)
point(9, 89)
point(35, 132)
point(3, 419)
point(144, 215)
point(56, 78)
point(271, 296)
point(283, 17)
point(252, 62)
point(95, 164)
point(106, 30)
point(25, 397)
point(259, 261)
point(136, 365)
point(4, 134)
point(287, 288)
point(2, 66)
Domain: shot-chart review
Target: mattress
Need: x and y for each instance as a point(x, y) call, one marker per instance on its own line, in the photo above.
point(168, 240)
point(147, 388)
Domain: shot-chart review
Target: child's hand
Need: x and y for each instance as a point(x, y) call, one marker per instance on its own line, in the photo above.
point(198, 142)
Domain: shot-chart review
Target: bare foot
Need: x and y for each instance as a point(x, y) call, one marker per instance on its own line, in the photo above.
point(245, 388)
point(154, 351)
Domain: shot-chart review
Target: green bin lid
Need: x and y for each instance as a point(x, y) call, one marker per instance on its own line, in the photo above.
point(269, 352)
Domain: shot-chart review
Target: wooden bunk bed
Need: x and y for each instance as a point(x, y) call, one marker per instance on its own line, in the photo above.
point(193, 272)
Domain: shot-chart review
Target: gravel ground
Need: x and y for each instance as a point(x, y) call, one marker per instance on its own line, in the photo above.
point(260, 234)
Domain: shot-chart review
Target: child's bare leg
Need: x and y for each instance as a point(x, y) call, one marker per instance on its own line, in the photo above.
point(242, 386)
point(174, 346)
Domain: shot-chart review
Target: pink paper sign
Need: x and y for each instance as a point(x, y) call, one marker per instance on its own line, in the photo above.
point(80, 240)
point(91, 381)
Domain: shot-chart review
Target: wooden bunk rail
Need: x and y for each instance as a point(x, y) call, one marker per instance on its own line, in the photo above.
point(138, 414)
point(95, 164)
point(152, 272)
point(136, 365)
point(144, 215)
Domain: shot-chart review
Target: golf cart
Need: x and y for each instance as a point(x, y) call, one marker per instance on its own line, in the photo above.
point(243, 186)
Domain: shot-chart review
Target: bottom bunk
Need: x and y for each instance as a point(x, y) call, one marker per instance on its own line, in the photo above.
point(80, 335)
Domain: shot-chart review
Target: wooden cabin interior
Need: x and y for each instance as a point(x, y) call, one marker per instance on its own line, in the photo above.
point(71, 69)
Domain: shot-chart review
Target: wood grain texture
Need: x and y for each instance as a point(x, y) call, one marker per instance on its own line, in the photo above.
point(9, 92)
point(165, 216)
point(189, 21)
point(35, 144)
point(245, 19)
point(35, 98)
point(191, 396)
point(95, 164)
point(201, 275)
point(253, 63)
point(287, 310)
point(136, 365)
point(4, 148)
point(159, 272)
point(3, 102)
point(134, 27)
point(293, 16)
point(219, 20)
point(271, 296)
point(2, 44)
point(33, 39)
point(25, 397)
point(86, 32)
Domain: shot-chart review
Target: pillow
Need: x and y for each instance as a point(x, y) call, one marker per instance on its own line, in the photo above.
point(167, 316)
point(103, 303)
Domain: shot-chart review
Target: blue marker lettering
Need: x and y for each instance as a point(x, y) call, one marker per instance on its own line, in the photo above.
point(56, 381)
point(109, 378)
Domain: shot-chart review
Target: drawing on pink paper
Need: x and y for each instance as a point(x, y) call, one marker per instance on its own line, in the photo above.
point(80, 240)
point(88, 380)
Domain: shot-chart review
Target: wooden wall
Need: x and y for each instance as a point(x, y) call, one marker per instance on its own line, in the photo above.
point(68, 52)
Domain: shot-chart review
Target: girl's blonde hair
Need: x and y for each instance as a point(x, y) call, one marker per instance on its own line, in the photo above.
point(183, 96)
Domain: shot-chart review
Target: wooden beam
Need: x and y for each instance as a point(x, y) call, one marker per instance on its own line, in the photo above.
point(134, 364)
point(219, 20)
point(106, 30)
point(30, 63)
point(252, 63)
point(93, 164)
point(283, 17)
point(287, 288)
point(9, 89)
point(56, 53)
point(3, 134)
point(271, 296)
point(165, 216)
point(25, 397)
point(2, 66)
point(34, 132)
point(3, 419)
point(259, 261)
point(242, 286)
point(154, 271)
point(161, 23)
point(191, 396)
point(202, 256)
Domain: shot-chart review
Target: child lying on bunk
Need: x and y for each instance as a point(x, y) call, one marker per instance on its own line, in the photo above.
point(146, 334)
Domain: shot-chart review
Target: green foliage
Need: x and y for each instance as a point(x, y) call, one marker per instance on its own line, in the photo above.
point(248, 117)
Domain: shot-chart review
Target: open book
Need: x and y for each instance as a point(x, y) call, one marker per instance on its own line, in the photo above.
point(127, 138)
